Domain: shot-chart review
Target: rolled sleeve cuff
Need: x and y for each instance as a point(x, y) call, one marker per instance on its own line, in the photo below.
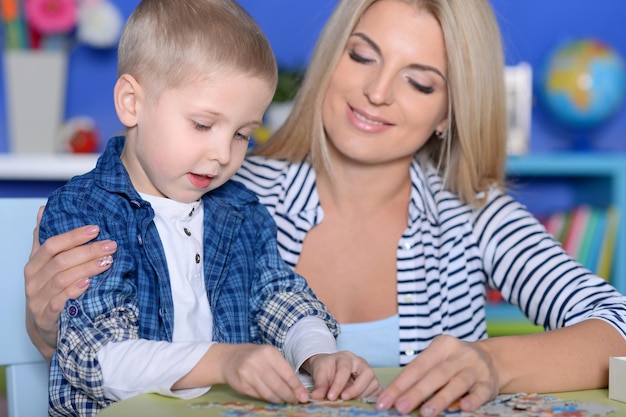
point(308, 337)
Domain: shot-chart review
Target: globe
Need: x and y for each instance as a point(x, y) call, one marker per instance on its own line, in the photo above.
point(583, 84)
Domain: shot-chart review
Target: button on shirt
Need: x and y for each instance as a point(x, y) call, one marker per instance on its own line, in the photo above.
point(180, 228)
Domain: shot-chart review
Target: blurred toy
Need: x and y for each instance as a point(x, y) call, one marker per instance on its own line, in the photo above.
point(79, 135)
point(53, 24)
point(260, 135)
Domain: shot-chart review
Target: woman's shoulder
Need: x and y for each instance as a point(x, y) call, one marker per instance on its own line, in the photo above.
point(255, 166)
point(280, 185)
point(261, 174)
point(431, 195)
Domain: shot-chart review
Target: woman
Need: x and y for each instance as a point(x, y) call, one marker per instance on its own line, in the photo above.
point(386, 185)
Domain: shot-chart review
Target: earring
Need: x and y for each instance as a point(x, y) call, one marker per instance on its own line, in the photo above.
point(440, 134)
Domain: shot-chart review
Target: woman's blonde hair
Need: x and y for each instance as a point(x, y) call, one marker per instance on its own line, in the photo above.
point(472, 155)
point(167, 42)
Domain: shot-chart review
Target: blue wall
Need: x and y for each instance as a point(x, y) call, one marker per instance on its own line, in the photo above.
point(530, 29)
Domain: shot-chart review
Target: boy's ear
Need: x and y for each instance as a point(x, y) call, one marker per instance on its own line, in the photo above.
point(127, 96)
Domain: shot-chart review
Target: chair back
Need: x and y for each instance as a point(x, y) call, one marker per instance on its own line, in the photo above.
point(26, 370)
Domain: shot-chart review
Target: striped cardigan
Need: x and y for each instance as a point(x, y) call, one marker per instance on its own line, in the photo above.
point(448, 256)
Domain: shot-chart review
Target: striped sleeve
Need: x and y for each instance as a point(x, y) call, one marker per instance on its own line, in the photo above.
point(532, 270)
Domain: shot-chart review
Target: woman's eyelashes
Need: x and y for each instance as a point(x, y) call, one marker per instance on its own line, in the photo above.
point(356, 57)
point(359, 58)
point(421, 87)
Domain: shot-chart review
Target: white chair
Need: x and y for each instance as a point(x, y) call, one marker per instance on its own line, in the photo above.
point(26, 370)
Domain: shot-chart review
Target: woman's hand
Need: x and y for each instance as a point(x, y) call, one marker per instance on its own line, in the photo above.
point(448, 370)
point(57, 271)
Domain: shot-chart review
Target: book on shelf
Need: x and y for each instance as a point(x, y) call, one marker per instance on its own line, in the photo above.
point(588, 234)
point(607, 251)
point(556, 223)
point(597, 236)
point(575, 234)
point(586, 245)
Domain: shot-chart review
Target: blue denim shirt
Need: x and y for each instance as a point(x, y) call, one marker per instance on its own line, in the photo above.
point(254, 296)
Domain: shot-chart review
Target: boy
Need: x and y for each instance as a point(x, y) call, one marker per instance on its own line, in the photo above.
point(197, 292)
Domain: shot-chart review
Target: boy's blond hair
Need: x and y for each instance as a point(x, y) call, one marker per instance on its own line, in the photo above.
point(167, 42)
point(472, 156)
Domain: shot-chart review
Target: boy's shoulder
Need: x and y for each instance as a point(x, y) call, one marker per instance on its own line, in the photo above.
point(86, 191)
point(79, 186)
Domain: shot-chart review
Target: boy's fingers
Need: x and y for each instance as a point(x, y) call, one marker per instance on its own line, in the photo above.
point(288, 385)
point(343, 378)
point(364, 384)
point(320, 391)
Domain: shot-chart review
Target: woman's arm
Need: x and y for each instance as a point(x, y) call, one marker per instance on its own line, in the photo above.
point(571, 358)
point(57, 271)
point(567, 359)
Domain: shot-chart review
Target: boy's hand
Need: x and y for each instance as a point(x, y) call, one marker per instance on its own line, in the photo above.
point(341, 375)
point(260, 371)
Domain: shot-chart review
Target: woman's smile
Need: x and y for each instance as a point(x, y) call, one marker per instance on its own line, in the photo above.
point(366, 122)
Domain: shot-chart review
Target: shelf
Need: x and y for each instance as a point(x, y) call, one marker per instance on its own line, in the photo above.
point(45, 167)
point(567, 164)
point(38, 175)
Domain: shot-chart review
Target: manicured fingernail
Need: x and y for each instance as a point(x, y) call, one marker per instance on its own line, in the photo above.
point(429, 410)
point(83, 283)
point(109, 246)
point(105, 260)
point(92, 230)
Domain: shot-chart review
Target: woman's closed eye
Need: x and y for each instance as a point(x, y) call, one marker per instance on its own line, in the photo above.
point(359, 58)
point(356, 57)
point(420, 87)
